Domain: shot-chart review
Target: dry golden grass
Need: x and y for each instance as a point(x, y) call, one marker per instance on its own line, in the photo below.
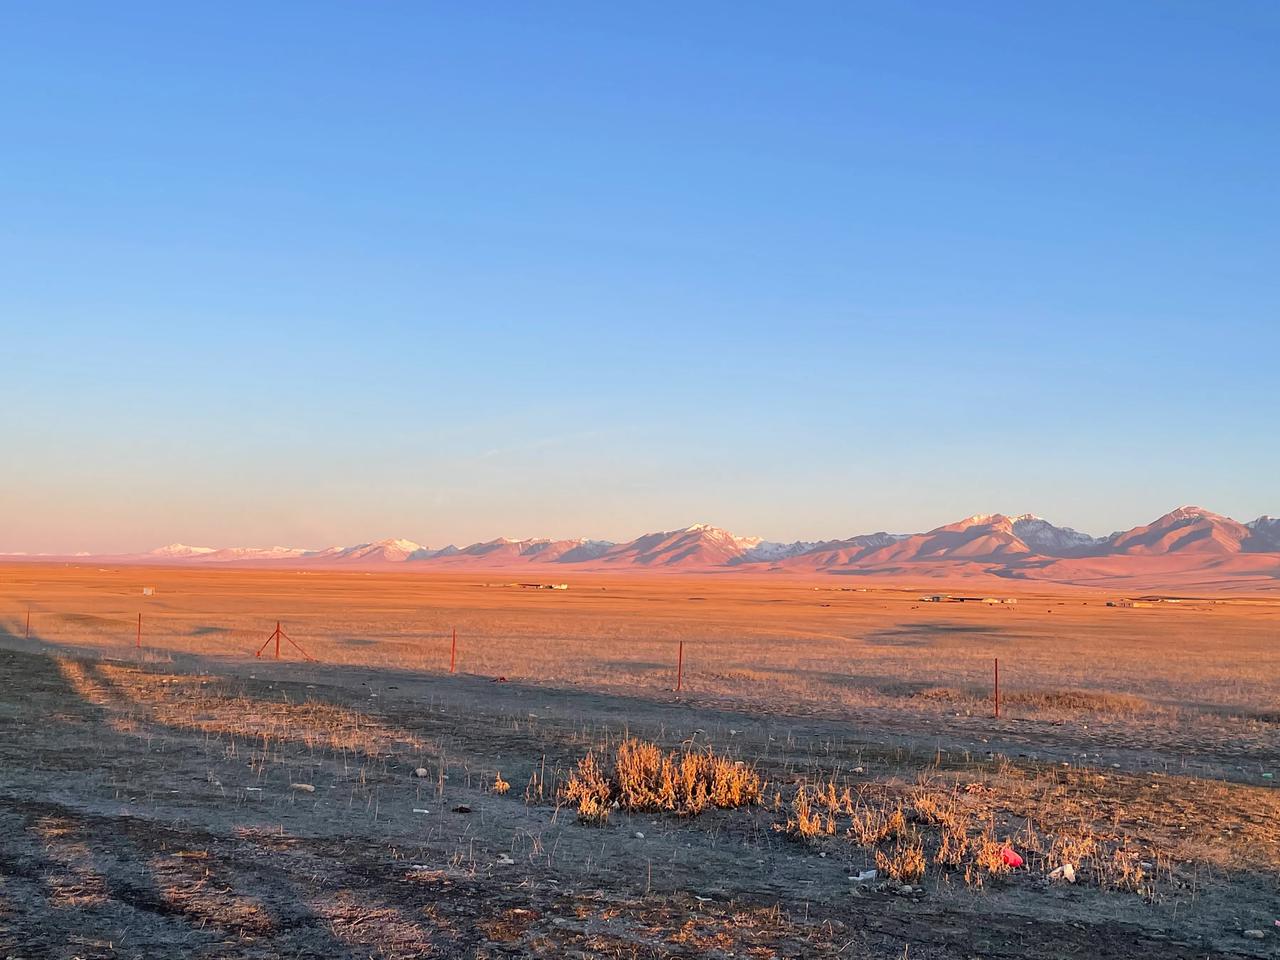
point(645, 778)
point(214, 706)
point(944, 826)
point(588, 790)
point(904, 861)
point(805, 821)
point(761, 643)
point(1076, 701)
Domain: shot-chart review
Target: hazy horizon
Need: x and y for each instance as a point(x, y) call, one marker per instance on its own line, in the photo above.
point(323, 274)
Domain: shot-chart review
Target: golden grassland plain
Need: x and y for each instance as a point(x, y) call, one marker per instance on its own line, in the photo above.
point(372, 804)
point(816, 644)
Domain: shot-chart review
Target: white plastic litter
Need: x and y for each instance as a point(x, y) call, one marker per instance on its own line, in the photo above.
point(1065, 872)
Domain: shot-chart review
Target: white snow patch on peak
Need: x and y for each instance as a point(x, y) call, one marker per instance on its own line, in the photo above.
point(399, 543)
point(981, 518)
point(710, 530)
point(770, 550)
point(264, 551)
point(180, 550)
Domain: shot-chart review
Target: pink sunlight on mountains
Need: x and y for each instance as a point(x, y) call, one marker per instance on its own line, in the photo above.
point(1190, 547)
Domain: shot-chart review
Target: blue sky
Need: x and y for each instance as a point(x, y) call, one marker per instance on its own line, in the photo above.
point(315, 273)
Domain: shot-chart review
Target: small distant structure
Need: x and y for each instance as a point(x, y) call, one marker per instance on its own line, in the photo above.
point(936, 598)
point(543, 586)
point(148, 591)
point(1126, 602)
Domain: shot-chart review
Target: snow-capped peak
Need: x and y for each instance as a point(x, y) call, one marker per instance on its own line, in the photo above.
point(1044, 537)
point(398, 543)
point(719, 533)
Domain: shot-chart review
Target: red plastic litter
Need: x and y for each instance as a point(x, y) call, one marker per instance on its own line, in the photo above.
point(1010, 858)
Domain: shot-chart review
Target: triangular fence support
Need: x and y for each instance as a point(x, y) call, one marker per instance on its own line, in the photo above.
point(277, 635)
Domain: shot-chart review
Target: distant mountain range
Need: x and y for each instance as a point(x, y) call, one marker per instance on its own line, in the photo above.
point(1189, 546)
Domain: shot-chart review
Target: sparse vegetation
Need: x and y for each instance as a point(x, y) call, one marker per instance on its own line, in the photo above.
point(909, 831)
point(202, 750)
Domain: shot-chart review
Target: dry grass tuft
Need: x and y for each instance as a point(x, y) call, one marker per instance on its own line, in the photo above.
point(905, 860)
point(588, 790)
point(805, 821)
point(646, 778)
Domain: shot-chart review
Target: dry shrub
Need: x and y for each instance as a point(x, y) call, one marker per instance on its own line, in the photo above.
point(952, 845)
point(904, 861)
point(588, 789)
point(805, 822)
point(647, 779)
point(500, 786)
point(986, 860)
point(930, 807)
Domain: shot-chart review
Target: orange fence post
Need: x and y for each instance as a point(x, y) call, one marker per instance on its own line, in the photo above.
point(997, 688)
point(453, 652)
point(277, 635)
point(680, 667)
point(28, 623)
point(138, 642)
